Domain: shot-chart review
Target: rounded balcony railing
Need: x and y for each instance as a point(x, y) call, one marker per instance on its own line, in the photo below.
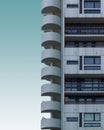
point(51, 56)
point(51, 6)
point(50, 106)
point(50, 90)
point(51, 123)
point(51, 39)
point(51, 73)
point(51, 22)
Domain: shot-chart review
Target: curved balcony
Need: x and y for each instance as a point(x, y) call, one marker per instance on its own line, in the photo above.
point(51, 6)
point(50, 106)
point(50, 90)
point(51, 73)
point(51, 56)
point(51, 123)
point(51, 39)
point(51, 22)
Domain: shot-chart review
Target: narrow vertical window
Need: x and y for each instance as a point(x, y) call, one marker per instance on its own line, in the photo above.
point(80, 65)
point(80, 9)
point(80, 119)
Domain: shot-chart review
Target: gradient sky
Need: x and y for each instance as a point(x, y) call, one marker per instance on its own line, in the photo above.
point(20, 51)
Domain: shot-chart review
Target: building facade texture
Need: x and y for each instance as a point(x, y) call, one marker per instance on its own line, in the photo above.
point(73, 55)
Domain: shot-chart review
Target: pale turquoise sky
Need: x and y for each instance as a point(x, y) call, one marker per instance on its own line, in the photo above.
point(20, 50)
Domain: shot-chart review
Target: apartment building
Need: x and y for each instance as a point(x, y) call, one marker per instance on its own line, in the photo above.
point(73, 55)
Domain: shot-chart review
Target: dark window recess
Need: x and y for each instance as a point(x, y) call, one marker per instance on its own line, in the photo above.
point(92, 60)
point(72, 119)
point(92, 125)
point(92, 68)
point(84, 30)
point(72, 62)
point(72, 5)
point(83, 100)
point(80, 119)
point(87, 84)
point(80, 10)
point(80, 65)
point(97, 11)
point(83, 44)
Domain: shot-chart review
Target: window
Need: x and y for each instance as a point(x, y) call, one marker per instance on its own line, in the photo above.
point(80, 119)
point(92, 68)
point(92, 125)
point(92, 4)
point(85, 30)
point(92, 7)
point(92, 117)
point(84, 84)
point(72, 119)
point(92, 63)
point(92, 60)
point(80, 65)
point(80, 10)
point(88, 11)
point(72, 5)
point(73, 62)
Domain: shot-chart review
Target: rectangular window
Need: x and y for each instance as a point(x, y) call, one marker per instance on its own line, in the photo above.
point(72, 62)
point(92, 125)
point(92, 4)
point(80, 119)
point(72, 5)
point(92, 117)
point(80, 7)
point(88, 11)
point(92, 60)
point(72, 119)
point(92, 68)
point(80, 59)
point(92, 7)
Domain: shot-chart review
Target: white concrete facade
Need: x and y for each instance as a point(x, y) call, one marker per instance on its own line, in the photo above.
point(73, 55)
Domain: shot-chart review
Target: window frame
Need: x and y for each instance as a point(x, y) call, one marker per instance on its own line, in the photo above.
point(93, 116)
point(96, 60)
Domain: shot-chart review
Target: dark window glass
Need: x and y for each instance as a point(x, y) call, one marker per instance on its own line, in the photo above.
point(92, 4)
point(88, 60)
point(80, 66)
point(92, 117)
point(84, 30)
point(92, 60)
point(72, 6)
point(91, 67)
point(72, 119)
point(80, 10)
point(88, 4)
point(97, 11)
point(92, 125)
point(80, 119)
point(72, 62)
point(97, 4)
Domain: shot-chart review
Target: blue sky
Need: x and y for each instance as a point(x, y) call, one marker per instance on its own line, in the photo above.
point(20, 51)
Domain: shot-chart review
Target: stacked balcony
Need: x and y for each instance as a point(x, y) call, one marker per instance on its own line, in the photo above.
point(51, 57)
